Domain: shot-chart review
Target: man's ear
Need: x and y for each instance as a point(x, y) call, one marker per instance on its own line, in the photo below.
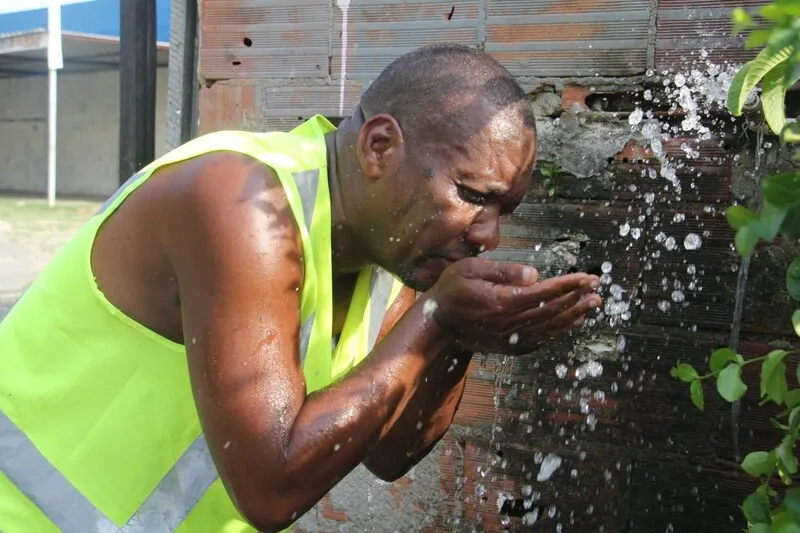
point(380, 146)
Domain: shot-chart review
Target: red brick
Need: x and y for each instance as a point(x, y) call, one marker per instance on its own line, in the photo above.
point(574, 95)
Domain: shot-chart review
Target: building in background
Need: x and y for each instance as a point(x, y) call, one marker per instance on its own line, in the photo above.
point(88, 97)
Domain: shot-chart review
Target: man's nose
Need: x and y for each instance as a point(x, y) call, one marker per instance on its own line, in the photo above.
point(484, 232)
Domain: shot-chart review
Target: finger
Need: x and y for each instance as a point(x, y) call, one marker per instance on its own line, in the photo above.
point(516, 299)
point(564, 320)
point(550, 309)
point(556, 287)
point(501, 272)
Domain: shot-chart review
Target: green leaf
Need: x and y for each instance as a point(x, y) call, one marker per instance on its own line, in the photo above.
point(792, 133)
point(685, 372)
point(792, 398)
point(771, 12)
point(792, 500)
point(793, 278)
point(785, 454)
point(750, 74)
point(757, 38)
point(794, 421)
point(765, 227)
point(773, 376)
point(746, 240)
point(790, 227)
point(696, 392)
point(720, 358)
point(759, 528)
point(756, 510)
point(784, 522)
point(729, 383)
point(773, 94)
point(739, 216)
point(741, 20)
point(790, 7)
point(782, 190)
point(769, 222)
point(759, 463)
point(796, 322)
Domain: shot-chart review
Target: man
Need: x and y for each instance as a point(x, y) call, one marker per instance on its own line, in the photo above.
point(222, 343)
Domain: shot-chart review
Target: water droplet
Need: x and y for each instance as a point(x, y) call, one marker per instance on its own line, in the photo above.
point(561, 370)
point(591, 369)
point(429, 308)
point(624, 229)
point(635, 117)
point(513, 339)
point(692, 241)
point(550, 464)
point(678, 296)
point(530, 517)
point(606, 267)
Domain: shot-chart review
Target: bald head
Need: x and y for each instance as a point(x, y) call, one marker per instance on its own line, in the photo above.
point(447, 89)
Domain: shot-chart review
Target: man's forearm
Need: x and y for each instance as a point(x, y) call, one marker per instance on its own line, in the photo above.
point(425, 419)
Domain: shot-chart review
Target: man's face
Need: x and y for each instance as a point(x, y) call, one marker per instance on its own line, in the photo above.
point(448, 197)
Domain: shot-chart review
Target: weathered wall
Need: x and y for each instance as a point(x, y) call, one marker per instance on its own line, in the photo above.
point(88, 133)
point(636, 456)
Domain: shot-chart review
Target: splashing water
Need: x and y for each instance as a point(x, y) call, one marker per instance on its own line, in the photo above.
point(549, 465)
point(692, 241)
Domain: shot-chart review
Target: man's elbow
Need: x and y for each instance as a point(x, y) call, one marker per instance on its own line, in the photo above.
point(268, 514)
point(389, 471)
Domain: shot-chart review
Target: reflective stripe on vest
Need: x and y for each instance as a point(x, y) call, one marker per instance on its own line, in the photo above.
point(179, 491)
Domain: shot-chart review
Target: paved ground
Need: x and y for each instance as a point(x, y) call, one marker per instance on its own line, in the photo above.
point(30, 232)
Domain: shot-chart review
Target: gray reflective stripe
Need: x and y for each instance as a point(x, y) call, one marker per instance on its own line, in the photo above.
point(305, 337)
point(162, 512)
point(177, 493)
point(307, 182)
point(380, 288)
point(119, 191)
point(44, 485)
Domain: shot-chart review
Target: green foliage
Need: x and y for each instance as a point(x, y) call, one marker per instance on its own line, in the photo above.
point(762, 509)
point(776, 67)
point(550, 172)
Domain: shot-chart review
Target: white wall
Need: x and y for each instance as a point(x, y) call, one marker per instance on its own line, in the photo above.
point(88, 132)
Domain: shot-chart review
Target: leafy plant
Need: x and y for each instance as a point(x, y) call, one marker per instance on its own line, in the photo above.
point(776, 68)
point(550, 172)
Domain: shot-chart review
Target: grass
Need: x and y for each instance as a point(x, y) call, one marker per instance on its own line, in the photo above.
point(34, 212)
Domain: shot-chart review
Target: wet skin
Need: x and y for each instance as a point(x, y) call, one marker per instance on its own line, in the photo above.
point(207, 253)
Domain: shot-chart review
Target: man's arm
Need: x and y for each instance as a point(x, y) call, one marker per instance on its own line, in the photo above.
point(235, 250)
point(430, 411)
point(232, 242)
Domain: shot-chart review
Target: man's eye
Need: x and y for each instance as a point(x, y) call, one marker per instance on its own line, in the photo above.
point(471, 196)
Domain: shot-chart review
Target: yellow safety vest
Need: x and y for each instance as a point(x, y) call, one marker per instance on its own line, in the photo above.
point(98, 429)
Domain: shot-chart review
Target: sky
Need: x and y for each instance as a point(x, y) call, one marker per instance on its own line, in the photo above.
point(86, 16)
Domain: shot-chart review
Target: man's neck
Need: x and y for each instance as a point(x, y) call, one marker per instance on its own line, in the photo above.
point(347, 258)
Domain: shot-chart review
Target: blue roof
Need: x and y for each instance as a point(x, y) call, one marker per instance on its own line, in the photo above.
point(97, 16)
